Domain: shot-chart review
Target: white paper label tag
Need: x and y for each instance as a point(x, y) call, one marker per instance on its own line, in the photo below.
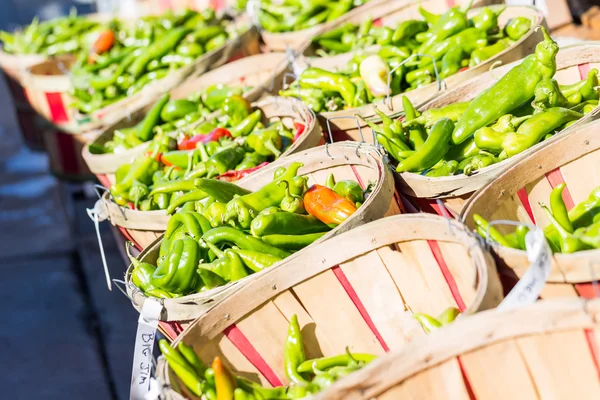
point(144, 346)
point(529, 287)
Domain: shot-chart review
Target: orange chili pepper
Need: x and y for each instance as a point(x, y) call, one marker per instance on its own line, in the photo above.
point(225, 383)
point(327, 205)
point(104, 42)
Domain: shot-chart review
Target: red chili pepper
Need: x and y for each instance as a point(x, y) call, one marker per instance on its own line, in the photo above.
point(131, 205)
point(104, 42)
point(300, 128)
point(157, 157)
point(327, 205)
point(235, 175)
point(213, 136)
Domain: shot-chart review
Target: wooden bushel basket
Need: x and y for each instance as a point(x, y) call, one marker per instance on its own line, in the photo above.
point(515, 195)
point(145, 226)
point(418, 97)
point(51, 92)
point(262, 72)
point(573, 64)
point(547, 350)
point(346, 161)
point(358, 290)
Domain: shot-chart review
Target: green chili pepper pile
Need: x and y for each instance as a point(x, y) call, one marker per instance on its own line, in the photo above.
point(452, 40)
point(151, 49)
point(225, 232)
point(450, 37)
point(293, 15)
point(523, 108)
point(59, 36)
point(568, 232)
point(227, 148)
point(167, 116)
point(305, 377)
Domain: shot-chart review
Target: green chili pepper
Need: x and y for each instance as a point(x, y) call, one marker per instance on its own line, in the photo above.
point(176, 109)
point(432, 151)
point(484, 53)
point(286, 223)
point(450, 23)
point(446, 168)
point(428, 323)
point(177, 273)
point(292, 242)
point(229, 267)
point(249, 205)
point(141, 170)
point(489, 232)
point(294, 355)
point(513, 89)
point(448, 315)
point(479, 161)
point(490, 140)
point(158, 49)
point(429, 117)
point(221, 191)
point(408, 29)
point(246, 125)
point(225, 160)
point(266, 142)
point(257, 261)
point(517, 27)
point(535, 128)
point(349, 189)
point(181, 368)
point(521, 232)
point(291, 203)
point(559, 209)
point(316, 78)
point(225, 234)
point(568, 242)
point(429, 17)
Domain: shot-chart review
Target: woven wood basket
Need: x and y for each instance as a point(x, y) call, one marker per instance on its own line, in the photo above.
point(48, 87)
point(515, 195)
point(262, 72)
point(347, 127)
point(548, 350)
point(145, 226)
point(573, 64)
point(359, 289)
point(346, 161)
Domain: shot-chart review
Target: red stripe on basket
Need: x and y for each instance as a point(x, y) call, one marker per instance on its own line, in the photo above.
point(241, 342)
point(66, 152)
point(358, 178)
point(400, 201)
point(555, 178)
point(450, 3)
point(591, 339)
point(128, 237)
point(439, 257)
point(524, 197)
point(584, 69)
point(58, 111)
point(468, 386)
point(103, 179)
point(586, 290)
point(359, 305)
point(429, 206)
point(169, 329)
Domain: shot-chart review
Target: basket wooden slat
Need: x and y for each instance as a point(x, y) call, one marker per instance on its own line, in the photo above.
point(525, 353)
point(358, 289)
point(261, 72)
point(515, 195)
point(39, 86)
point(573, 63)
point(345, 160)
point(146, 226)
point(523, 47)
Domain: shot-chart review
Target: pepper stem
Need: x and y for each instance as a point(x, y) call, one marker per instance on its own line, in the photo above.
point(133, 260)
point(272, 148)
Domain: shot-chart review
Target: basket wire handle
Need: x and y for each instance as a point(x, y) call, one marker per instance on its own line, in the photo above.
point(441, 83)
point(362, 138)
point(98, 214)
point(98, 188)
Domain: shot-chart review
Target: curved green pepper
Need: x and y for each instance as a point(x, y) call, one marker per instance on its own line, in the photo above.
point(432, 151)
point(286, 223)
point(317, 78)
point(517, 27)
point(177, 273)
